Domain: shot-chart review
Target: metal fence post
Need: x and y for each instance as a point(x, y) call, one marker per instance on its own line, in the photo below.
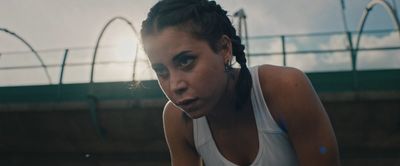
point(353, 54)
point(59, 88)
point(62, 66)
point(283, 50)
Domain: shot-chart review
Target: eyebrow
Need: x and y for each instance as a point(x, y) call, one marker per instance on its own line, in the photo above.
point(174, 59)
point(156, 66)
point(179, 55)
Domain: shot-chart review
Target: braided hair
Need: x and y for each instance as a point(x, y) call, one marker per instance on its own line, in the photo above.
point(205, 20)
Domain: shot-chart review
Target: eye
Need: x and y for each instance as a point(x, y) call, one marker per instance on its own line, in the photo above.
point(160, 70)
point(185, 61)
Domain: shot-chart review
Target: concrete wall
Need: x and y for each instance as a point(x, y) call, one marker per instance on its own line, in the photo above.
point(367, 128)
point(117, 133)
point(123, 132)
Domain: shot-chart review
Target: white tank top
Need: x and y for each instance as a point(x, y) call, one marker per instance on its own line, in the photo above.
point(274, 146)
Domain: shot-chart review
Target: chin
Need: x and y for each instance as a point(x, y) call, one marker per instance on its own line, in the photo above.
point(195, 114)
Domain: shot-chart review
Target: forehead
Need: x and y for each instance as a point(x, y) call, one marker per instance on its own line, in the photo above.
point(169, 42)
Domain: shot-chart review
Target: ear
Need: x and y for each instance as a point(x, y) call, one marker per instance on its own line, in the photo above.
point(225, 48)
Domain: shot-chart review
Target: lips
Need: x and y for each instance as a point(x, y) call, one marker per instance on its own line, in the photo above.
point(186, 104)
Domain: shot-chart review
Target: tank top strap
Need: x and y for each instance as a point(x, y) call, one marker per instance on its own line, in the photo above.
point(264, 119)
point(201, 133)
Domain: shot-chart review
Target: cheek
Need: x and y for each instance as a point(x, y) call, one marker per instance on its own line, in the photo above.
point(210, 79)
point(164, 87)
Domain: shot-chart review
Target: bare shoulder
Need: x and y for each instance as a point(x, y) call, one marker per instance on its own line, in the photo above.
point(282, 86)
point(293, 101)
point(273, 78)
point(174, 123)
point(171, 112)
point(179, 136)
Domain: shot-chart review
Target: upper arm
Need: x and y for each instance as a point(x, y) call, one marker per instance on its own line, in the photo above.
point(308, 125)
point(175, 128)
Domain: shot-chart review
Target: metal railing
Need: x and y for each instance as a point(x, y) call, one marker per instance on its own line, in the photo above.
point(316, 44)
point(285, 40)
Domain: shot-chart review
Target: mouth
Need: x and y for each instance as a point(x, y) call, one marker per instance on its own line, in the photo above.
point(186, 104)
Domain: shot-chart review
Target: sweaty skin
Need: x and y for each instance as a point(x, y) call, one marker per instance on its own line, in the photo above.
point(189, 72)
point(192, 76)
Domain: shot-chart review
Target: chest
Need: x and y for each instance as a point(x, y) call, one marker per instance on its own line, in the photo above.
point(239, 145)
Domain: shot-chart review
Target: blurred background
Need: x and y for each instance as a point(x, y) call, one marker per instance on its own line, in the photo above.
point(67, 72)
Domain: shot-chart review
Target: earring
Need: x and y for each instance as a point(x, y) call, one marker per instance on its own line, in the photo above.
point(228, 67)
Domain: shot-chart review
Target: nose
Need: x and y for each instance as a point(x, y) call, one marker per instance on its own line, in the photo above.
point(178, 84)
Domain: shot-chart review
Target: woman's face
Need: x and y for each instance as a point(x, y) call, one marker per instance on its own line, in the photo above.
point(189, 72)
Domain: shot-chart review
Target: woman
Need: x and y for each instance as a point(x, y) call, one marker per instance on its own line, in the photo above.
point(219, 115)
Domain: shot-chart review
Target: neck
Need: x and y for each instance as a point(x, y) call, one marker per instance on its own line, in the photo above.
point(230, 116)
point(226, 108)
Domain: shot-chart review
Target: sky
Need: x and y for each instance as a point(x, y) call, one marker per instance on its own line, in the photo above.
point(51, 26)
